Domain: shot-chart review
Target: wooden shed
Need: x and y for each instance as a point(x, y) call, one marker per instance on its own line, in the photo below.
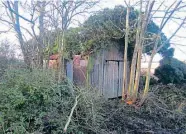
point(106, 73)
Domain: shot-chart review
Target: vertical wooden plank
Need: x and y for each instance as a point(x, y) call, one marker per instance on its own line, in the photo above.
point(69, 72)
point(119, 80)
point(113, 80)
point(107, 77)
point(116, 79)
point(103, 89)
point(105, 80)
point(69, 69)
point(103, 70)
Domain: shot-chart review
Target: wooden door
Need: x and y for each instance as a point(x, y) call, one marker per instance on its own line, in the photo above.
point(113, 72)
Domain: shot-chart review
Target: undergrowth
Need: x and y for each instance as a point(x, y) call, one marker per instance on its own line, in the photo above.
point(164, 112)
point(32, 102)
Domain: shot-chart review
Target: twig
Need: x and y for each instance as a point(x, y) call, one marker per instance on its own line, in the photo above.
point(71, 113)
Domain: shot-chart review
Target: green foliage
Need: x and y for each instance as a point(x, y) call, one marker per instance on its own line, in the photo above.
point(52, 40)
point(102, 30)
point(106, 28)
point(175, 63)
point(171, 70)
point(168, 74)
point(27, 98)
point(169, 53)
point(72, 42)
point(34, 102)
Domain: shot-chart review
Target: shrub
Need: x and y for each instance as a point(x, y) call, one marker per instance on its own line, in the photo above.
point(34, 102)
point(175, 63)
point(168, 74)
point(171, 70)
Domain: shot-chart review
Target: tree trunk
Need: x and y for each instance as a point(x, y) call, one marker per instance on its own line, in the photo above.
point(41, 33)
point(125, 76)
point(142, 28)
point(138, 73)
point(147, 82)
point(61, 58)
point(133, 64)
point(16, 24)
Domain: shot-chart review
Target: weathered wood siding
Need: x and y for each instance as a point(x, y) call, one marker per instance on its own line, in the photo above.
point(79, 71)
point(107, 72)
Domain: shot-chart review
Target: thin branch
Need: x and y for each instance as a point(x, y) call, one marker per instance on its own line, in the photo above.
point(180, 36)
point(71, 113)
point(177, 44)
point(159, 17)
point(183, 22)
point(179, 49)
point(158, 8)
point(3, 20)
point(5, 31)
point(126, 3)
point(164, 22)
point(16, 13)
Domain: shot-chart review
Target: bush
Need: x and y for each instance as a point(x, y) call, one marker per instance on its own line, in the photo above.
point(168, 74)
point(34, 102)
point(171, 70)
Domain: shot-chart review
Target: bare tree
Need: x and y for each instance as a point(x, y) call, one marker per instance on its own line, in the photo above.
point(14, 16)
point(144, 18)
point(46, 15)
point(168, 15)
point(62, 14)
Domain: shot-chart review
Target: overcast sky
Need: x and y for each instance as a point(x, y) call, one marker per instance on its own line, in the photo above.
point(180, 50)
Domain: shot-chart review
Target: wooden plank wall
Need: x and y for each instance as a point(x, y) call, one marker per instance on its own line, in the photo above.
point(107, 73)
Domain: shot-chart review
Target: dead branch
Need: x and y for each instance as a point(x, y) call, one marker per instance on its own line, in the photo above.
point(71, 113)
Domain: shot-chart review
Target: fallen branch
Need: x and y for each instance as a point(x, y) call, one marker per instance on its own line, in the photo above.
point(71, 113)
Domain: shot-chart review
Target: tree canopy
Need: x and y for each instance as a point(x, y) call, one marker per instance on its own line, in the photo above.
point(107, 27)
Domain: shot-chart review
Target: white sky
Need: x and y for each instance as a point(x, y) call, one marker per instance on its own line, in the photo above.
point(180, 51)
